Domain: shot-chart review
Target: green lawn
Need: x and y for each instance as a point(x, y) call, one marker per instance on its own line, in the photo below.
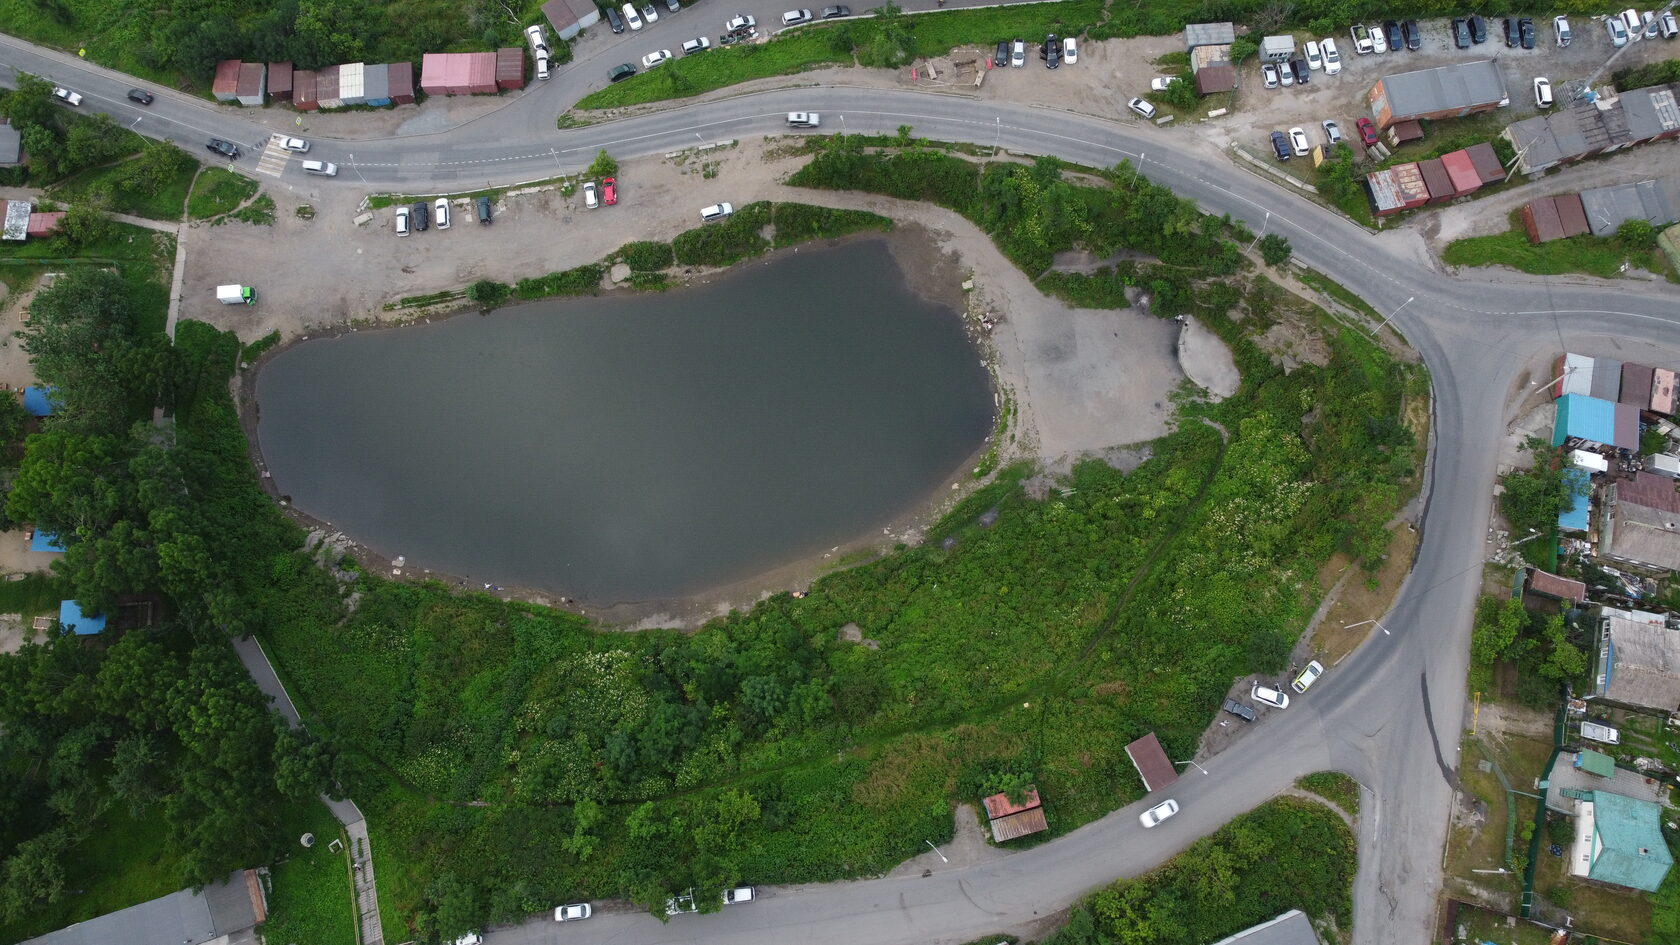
point(218, 191)
point(144, 257)
point(166, 204)
point(1595, 255)
point(121, 863)
point(311, 902)
point(35, 594)
point(1338, 789)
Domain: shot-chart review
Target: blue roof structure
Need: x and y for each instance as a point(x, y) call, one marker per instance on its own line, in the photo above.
point(1629, 849)
point(45, 541)
point(38, 401)
point(1580, 486)
point(1597, 421)
point(71, 618)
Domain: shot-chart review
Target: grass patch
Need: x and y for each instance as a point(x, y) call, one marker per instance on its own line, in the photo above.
point(120, 864)
point(1622, 915)
point(166, 204)
point(255, 349)
point(1483, 925)
point(1337, 788)
point(259, 212)
point(1602, 256)
point(311, 900)
point(1339, 292)
point(35, 594)
point(217, 191)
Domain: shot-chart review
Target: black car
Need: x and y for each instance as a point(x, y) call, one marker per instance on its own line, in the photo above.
point(1413, 33)
point(422, 214)
point(1510, 32)
point(835, 13)
point(1478, 29)
point(1303, 75)
point(1239, 710)
point(613, 19)
point(1461, 33)
point(1525, 31)
point(1391, 29)
point(140, 95)
point(224, 148)
point(1280, 145)
point(1051, 52)
point(1001, 57)
point(483, 210)
point(620, 72)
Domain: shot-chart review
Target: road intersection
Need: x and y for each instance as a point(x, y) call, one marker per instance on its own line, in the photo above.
point(1389, 715)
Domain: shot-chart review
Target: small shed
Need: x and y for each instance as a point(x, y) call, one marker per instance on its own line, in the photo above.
point(327, 87)
point(1462, 171)
point(44, 223)
point(1153, 765)
point(1636, 384)
point(253, 84)
point(71, 618)
point(304, 83)
point(1403, 131)
point(1277, 48)
point(1487, 163)
point(1397, 188)
point(1009, 820)
point(1540, 220)
point(1547, 584)
point(1572, 215)
point(1574, 375)
point(351, 85)
point(280, 80)
point(510, 67)
point(1596, 763)
point(401, 76)
point(376, 84)
point(1437, 181)
point(1215, 77)
point(1594, 420)
point(1607, 379)
point(1209, 34)
point(225, 86)
point(16, 226)
point(1578, 516)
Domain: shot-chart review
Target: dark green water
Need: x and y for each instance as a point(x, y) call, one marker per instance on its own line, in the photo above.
point(640, 446)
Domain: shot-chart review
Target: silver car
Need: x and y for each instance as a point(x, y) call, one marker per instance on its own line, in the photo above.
point(1158, 813)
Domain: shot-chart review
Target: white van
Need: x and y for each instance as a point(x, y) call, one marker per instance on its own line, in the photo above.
point(716, 212)
point(320, 168)
point(236, 295)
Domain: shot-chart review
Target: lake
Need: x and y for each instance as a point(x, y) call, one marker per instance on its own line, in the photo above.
point(641, 446)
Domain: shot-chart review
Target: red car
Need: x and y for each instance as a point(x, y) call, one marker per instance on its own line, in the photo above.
point(609, 190)
point(1367, 131)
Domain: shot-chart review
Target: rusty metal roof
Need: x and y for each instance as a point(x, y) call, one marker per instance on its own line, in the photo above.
point(1152, 762)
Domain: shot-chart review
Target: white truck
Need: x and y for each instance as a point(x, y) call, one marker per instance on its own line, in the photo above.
point(236, 295)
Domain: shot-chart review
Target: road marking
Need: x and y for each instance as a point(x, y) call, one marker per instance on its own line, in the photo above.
point(274, 157)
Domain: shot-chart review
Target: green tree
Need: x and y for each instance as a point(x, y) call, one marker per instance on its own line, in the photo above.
point(1637, 233)
point(82, 338)
point(1275, 249)
point(1564, 660)
point(488, 293)
point(158, 163)
point(30, 105)
point(1533, 498)
point(1181, 94)
point(603, 166)
point(33, 876)
point(93, 139)
point(1495, 629)
point(84, 224)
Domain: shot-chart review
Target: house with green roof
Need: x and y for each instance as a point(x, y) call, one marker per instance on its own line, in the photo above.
point(1618, 840)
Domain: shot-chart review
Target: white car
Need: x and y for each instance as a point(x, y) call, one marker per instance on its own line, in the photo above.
point(1298, 141)
point(67, 97)
point(1631, 23)
point(1160, 83)
point(715, 212)
point(740, 22)
point(1142, 107)
point(1618, 31)
point(1315, 59)
point(538, 41)
point(1266, 695)
point(1379, 42)
point(1560, 29)
point(1158, 813)
point(1542, 92)
point(1070, 51)
point(650, 13)
point(1361, 39)
point(1269, 74)
point(1332, 133)
point(471, 938)
point(738, 895)
point(803, 119)
point(294, 144)
point(440, 213)
point(1652, 27)
point(402, 220)
point(794, 17)
point(1287, 74)
point(698, 44)
point(1308, 676)
point(1018, 54)
point(655, 58)
point(573, 912)
point(591, 198)
point(1332, 56)
point(1670, 28)
point(632, 17)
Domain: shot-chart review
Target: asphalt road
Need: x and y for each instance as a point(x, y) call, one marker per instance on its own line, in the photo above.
point(1389, 715)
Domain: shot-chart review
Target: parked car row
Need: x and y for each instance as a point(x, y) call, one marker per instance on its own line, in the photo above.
point(1389, 35)
point(1631, 26)
point(420, 215)
point(1274, 696)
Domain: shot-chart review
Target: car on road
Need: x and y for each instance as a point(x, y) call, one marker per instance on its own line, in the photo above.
point(1269, 74)
point(1266, 695)
point(591, 195)
point(1332, 132)
point(1413, 35)
point(1051, 52)
point(738, 895)
point(1379, 41)
point(655, 58)
point(1001, 57)
point(650, 13)
point(1239, 710)
point(1146, 109)
point(1461, 32)
point(1391, 31)
point(1308, 676)
point(794, 17)
point(1298, 141)
point(402, 221)
point(440, 210)
point(1542, 92)
point(484, 215)
point(422, 215)
point(836, 13)
point(224, 148)
point(1560, 30)
point(573, 912)
point(803, 119)
point(1303, 75)
point(471, 938)
point(739, 22)
point(1315, 58)
point(1280, 145)
point(1070, 51)
point(1525, 32)
point(1618, 31)
point(295, 145)
point(609, 190)
point(1332, 56)
point(698, 44)
point(140, 95)
point(67, 97)
point(1158, 813)
point(1367, 131)
point(1361, 39)
point(319, 168)
point(1018, 54)
point(620, 72)
point(715, 212)
point(632, 17)
point(1160, 83)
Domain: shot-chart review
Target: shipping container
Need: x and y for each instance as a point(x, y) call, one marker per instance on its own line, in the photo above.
point(401, 75)
point(253, 84)
point(510, 67)
point(280, 81)
point(303, 90)
point(225, 87)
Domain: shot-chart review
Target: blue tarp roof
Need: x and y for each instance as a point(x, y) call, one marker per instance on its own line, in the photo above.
point(45, 541)
point(38, 401)
point(1576, 519)
point(1596, 420)
point(71, 618)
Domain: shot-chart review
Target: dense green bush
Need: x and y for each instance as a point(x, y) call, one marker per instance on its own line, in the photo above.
point(646, 256)
point(800, 222)
point(488, 293)
point(1652, 73)
point(579, 280)
point(727, 242)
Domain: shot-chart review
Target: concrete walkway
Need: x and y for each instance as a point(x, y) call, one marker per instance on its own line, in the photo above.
point(361, 848)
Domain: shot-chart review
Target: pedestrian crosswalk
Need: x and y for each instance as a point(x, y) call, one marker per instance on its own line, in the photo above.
point(273, 159)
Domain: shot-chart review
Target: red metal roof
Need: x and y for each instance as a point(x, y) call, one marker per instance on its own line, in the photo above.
point(280, 79)
point(1436, 181)
point(999, 805)
point(1650, 490)
point(1540, 220)
point(1636, 384)
point(42, 224)
point(1152, 763)
point(250, 79)
point(1397, 188)
point(1409, 130)
point(303, 90)
point(510, 67)
point(1018, 825)
point(226, 83)
point(1571, 214)
point(402, 82)
point(1487, 163)
point(481, 72)
point(1462, 170)
point(1543, 582)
